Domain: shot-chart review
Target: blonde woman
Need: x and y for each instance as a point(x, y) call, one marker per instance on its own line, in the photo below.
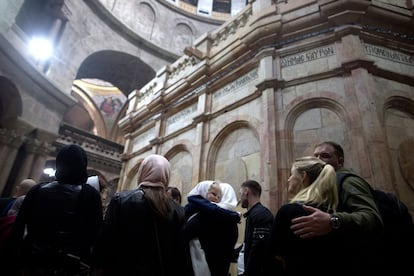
point(312, 182)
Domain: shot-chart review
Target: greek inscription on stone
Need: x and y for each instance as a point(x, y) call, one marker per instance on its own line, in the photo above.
point(240, 82)
point(389, 54)
point(308, 56)
point(143, 138)
point(183, 114)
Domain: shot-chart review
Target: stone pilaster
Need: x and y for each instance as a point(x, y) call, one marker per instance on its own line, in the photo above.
point(10, 143)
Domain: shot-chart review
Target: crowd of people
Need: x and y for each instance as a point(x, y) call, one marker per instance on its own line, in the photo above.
point(60, 228)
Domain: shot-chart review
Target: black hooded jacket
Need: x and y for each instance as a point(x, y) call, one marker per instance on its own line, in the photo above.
point(61, 217)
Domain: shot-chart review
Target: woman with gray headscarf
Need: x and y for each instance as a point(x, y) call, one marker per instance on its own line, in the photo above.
point(141, 233)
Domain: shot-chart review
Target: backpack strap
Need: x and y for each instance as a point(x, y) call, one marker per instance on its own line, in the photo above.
point(340, 177)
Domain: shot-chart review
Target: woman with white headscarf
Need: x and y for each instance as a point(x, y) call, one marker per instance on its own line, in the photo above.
point(215, 225)
point(142, 228)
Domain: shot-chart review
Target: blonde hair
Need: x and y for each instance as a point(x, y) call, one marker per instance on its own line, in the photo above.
point(216, 186)
point(322, 190)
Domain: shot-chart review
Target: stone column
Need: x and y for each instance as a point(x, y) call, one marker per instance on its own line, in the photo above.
point(201, 139)
point(41, 155)
point(10, 143)
point(268, 147)
point(30, 148)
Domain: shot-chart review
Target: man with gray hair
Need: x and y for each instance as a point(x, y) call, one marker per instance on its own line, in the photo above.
point(21, 190)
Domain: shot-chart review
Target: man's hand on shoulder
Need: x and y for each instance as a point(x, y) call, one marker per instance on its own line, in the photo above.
point(317, 223)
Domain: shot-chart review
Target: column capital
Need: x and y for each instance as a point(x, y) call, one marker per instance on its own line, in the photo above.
point(11, 138)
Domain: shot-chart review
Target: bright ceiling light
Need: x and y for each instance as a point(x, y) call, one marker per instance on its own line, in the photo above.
point(40, 48)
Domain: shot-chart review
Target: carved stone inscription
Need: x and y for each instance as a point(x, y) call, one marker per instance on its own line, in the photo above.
point(389, 54)
point(240, 82)
point(143, 139)
point(307, 56)
point(180, 119)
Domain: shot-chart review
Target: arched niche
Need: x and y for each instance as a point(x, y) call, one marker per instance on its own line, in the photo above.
point(181, 162)
point(235, 155)
point(399, 123)
point(10, 101)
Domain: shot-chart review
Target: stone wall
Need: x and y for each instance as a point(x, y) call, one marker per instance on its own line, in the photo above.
point(268, 85)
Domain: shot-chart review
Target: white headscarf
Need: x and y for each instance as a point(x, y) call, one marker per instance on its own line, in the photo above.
point(229, 198)
point(93, 181)
point(201, 188)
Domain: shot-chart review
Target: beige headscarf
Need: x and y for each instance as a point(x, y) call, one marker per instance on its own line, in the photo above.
point(154, 172)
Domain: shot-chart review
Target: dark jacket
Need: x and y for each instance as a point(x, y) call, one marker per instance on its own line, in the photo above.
point(217, 230)
point(313, 256)
point(361, 226)
point(135, 241)
point(60, 219)
point(259, 221)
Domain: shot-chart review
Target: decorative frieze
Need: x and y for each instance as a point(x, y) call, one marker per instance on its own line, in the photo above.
point(147, 95)
point(237, 84)
point(392, 55)
point(308, 56)
point(180, 119)
point(182, 66)
point(143, 139)
point(232, 27)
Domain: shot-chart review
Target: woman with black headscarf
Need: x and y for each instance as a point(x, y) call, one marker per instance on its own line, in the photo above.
point(62, 219)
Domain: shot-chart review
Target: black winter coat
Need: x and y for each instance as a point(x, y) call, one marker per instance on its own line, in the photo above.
point(135, 241)
point(60, 219)
point(217, 230)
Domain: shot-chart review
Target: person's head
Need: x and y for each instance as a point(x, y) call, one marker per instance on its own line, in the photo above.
point(214, 193)
point(331, 153)
point(154, 171)
point(250, 192)
point(71, 165)
point(229, 198)
point(208, 189)
point(153, 178)
point(174, 193)
point(313, 181)
point(23, 187)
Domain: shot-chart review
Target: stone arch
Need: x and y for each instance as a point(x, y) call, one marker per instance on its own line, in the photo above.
point(115, 133)
point(183, 36)
point(234, 155)
point(147, 19)
point(125, 71)
point(109, 71)
point(399, 102)
point(398, 120)
point(181, 161)
point(86, 114)
point(314, 120)
point(132, 177)
point(11, 106)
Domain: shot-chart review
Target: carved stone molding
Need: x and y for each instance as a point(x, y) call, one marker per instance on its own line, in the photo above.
point(11, 138)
